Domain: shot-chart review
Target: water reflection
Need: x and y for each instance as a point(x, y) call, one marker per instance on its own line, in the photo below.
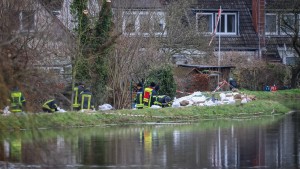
point(260, 143)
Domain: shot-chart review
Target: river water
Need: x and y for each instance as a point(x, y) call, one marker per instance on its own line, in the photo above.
point(272, 142)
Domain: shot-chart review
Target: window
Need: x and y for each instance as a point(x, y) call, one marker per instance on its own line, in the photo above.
point(281, 24)
point(271, 24)
point(129, 23)
point(227, 23)
point(144, 23)
point(287, 23)
point(206, 23)
point(27, 21)
point(23, 20)
point(159, 23)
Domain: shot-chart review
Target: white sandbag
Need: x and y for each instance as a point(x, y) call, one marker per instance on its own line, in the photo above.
point(244, 100)
point(193, 99)
point(105, 107)
point(155, 107)
point(176, 103)
point(209, 103)
point(231, 101)
point(6, 111)
point(222, 96)
point(198, 99)
point(60, 110)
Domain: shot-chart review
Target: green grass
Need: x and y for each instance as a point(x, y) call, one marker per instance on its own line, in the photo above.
point(280, 94)
point(267, 104)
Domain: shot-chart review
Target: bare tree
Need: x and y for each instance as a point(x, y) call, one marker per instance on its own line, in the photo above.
point(31, 47)
point(150, 39)
point(185, 34)
point(288, 13)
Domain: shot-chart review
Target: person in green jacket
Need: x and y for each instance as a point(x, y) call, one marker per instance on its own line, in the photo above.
point(162, 100)
point(139, 104)
point(86, 100)
point(50, 106)
point(17, 100)
point(76, 96)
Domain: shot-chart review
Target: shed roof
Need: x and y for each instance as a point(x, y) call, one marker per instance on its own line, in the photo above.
point(184, 71)
point(205, 66)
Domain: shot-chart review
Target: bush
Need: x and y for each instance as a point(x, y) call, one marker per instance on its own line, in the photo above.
point(163, 76)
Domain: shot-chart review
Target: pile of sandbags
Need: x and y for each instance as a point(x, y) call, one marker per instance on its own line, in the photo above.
point(199, 99)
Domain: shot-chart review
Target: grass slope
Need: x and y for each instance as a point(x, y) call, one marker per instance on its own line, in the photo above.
point(267, 104)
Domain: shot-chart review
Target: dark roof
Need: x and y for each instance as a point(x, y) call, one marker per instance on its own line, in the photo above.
point(282, 4)
point(53, 5)
point(204, 66)
point(138, 4)
point(247, 38)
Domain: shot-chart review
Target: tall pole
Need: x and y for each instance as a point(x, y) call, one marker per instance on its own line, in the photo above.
point(259, 29)
point(219, 52)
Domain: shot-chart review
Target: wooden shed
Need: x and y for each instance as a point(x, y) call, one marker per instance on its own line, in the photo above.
point(191, 78)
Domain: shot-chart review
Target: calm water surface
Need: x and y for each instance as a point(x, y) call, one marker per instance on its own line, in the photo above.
point(257, 143)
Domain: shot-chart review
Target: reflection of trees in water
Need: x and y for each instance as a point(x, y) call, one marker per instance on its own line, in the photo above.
point(291, 103)
point(161, 146)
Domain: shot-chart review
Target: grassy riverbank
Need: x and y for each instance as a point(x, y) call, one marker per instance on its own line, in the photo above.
point(267, 104)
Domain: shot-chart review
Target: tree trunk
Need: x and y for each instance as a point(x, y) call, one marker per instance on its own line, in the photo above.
point(295, 77)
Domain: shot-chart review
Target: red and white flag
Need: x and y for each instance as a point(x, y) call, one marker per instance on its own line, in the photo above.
point(216, 25)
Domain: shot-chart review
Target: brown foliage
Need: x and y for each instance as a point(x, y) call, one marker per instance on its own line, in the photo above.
point(36, 85)
point(192, 83)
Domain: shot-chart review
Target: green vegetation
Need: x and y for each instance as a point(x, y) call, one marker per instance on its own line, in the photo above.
point(94, 45)
point(280, 94)
point(262, 107)
point(164, 78)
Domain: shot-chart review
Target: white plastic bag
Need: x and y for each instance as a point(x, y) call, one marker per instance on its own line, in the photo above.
point(105, 107)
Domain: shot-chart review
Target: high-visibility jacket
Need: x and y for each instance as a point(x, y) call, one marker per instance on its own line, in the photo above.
point(161, 100)
point(77, 91)
point(86, 100)
point(17, 101)
point(147, 96)
point(50, 106)
point(139, 100)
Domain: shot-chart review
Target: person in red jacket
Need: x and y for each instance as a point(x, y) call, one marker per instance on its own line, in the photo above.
point(148, 94)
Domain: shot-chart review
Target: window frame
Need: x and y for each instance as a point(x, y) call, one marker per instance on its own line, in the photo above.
point(137, 23)
point(226, 23)
point(276, 24)
point(212, 21)
point(280, 26)
point(22, 27)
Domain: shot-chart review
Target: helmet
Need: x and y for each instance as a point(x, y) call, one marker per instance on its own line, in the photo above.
point(167, 99)
point(15, 88)
point(140, 84)
point(152, 84)
point(80, 84)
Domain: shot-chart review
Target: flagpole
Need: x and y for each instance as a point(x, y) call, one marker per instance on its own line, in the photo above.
point(213, 35)
point(219, 53)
